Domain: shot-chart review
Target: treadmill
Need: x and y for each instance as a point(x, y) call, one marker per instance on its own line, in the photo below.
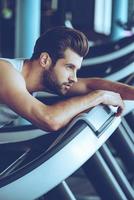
point(33, 162)
point(103, 168)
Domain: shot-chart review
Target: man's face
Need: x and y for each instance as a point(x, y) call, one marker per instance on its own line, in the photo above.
point(60, 77)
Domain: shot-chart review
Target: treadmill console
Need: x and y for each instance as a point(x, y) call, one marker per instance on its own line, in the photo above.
point(99, 118)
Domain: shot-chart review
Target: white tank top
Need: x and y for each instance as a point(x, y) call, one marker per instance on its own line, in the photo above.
point(6, 114)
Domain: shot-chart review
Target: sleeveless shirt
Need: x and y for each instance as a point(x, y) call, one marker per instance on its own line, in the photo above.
point(6, 114)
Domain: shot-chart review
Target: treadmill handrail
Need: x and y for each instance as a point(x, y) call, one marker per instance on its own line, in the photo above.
point(109, 57)
point(81, 137)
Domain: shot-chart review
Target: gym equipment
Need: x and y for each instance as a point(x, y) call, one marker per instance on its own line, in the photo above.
point(110, 51)
point(113, 60)
point(103, 168)
point(113, 174)
point(107, 177)
point(114, 70)
point(32, 167)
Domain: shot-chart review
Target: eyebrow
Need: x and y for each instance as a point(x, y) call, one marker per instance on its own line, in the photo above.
point(74, 66)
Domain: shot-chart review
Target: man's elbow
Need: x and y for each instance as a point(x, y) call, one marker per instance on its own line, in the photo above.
point(54, 125)
point(49, 126)
point(47, 122)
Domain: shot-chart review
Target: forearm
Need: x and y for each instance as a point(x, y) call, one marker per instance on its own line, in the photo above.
point(56, 116)
point(62, 112)
point(126, 91)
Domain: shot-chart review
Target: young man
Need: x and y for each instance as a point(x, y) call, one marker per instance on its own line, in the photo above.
point(53, 67)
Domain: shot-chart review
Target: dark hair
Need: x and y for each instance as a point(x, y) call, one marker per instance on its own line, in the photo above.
point(56, 40)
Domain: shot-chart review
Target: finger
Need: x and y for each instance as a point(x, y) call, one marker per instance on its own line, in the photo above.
point(119, 111)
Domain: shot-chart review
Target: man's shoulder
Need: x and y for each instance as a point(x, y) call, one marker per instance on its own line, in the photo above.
point(10, 77)
point(16, 63)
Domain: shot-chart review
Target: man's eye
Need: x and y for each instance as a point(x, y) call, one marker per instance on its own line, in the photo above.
point(69, 66)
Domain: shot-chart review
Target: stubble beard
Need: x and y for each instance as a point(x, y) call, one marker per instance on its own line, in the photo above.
point(51, 83)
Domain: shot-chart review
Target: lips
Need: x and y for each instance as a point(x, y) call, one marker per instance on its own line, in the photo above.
point(67, 86)
point(70, 84)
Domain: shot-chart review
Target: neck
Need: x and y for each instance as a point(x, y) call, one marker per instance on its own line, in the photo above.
point(32, 75)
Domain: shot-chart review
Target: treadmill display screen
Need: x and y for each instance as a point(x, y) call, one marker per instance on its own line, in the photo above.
point(99, 118)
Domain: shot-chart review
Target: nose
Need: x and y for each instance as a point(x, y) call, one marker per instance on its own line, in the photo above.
point(73, 77)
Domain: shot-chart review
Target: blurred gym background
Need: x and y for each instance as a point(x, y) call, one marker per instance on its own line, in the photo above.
point(108, 24)
point(101, 20)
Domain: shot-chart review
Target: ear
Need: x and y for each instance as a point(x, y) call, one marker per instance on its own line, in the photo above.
point(45, 60)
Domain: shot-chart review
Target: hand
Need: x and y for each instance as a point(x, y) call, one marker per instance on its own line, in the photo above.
point(114, 99)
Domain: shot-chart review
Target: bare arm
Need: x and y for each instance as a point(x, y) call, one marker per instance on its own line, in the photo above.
point(85, 85)
point(13, 92)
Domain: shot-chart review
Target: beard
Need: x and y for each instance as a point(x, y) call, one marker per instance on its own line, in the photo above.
point(51, 83)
